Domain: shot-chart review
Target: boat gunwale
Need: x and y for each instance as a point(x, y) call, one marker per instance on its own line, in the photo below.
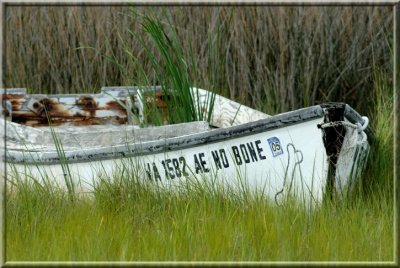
point(182, 142)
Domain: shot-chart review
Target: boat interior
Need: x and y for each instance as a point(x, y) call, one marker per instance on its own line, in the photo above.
point(116, 115)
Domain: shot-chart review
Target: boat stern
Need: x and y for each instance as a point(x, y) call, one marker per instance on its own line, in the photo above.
point(347, 137)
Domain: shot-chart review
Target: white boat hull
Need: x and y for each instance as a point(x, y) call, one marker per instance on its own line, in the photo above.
point(299, 153)
point(246, 160)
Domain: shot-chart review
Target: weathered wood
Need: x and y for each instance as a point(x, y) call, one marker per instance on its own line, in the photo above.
point(114, 105)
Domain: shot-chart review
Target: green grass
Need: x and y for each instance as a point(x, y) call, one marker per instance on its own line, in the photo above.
point(139, 225)
point(174, 69)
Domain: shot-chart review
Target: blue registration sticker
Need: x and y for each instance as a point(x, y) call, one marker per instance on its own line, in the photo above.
point(275, 146)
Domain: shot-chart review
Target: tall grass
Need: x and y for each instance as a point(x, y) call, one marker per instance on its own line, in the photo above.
point(173, 69)
point(380, 167)
point(276, 58)
point(63, 161)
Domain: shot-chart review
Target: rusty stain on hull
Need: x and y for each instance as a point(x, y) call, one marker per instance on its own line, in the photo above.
point(159, 101)
point(87, 104)
point(50, 106)
point(113, 105)
point(77, 110)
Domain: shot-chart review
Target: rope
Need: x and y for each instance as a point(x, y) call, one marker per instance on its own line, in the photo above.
point(357, 126)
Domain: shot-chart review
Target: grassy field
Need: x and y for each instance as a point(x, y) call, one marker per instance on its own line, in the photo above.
point(275, 59)
point(135, 225)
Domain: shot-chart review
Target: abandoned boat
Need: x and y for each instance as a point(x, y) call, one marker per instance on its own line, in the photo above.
point(304, 152)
